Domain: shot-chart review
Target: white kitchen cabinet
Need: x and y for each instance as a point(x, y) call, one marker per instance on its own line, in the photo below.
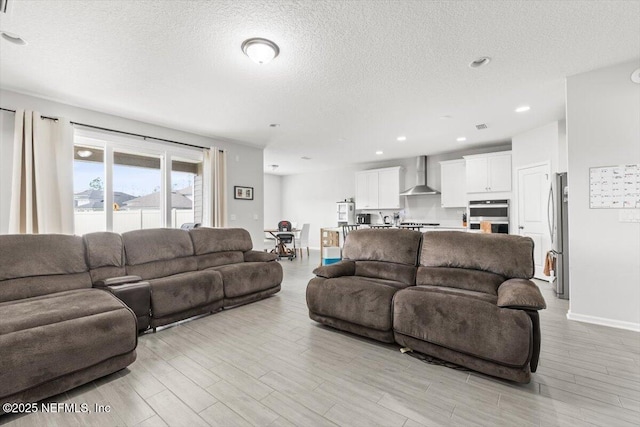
point(488, 173)
point(379, 188)
point(453, 187)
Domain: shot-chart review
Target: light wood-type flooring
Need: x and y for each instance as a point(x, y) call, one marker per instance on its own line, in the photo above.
point(268, 364)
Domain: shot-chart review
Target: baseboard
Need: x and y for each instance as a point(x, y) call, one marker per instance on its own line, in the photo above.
point(620, 324)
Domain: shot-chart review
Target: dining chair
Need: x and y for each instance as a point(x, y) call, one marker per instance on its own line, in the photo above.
point(303, 240)
point(346, 229)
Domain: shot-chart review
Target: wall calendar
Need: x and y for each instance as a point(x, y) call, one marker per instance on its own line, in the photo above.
point(612, 187)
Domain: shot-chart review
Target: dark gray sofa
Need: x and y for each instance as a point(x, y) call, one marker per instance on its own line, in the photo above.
point(199, 271)
point(56, 331)
point(471, 301)
point(356, 294)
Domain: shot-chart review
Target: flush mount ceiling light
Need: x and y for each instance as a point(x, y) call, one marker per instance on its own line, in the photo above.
point(260, 51)
point(13, 38)
point(635, 76)
point(522, 109)
point(461, 139)
point(479, 62)
point(84, 153)
point(402, 138)
point(379, 153)
point(274, 125)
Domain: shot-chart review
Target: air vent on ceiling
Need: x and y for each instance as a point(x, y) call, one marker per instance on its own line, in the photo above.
point(481, 126)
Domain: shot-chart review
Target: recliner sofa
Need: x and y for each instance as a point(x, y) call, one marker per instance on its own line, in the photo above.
point(57, 332)
point(470, 302)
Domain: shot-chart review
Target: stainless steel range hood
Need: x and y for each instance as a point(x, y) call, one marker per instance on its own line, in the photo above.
point(421, 188)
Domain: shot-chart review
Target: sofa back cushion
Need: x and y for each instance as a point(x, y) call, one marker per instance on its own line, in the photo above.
point(501, 254)
point(461, 278)
point(384, 254)
point(105, 255)
point(220, 246)
point(40, 264)
point(394, 245)
point(158, 252)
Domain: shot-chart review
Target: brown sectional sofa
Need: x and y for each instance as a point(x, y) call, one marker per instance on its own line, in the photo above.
point(57, 332)
point(470, 302)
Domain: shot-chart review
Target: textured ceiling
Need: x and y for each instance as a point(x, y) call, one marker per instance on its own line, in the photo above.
point(350, 78)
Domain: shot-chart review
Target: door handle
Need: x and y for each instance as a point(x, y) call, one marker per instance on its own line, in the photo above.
point(550, 210)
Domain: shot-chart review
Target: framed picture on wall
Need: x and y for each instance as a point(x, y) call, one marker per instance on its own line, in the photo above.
point(242, 193)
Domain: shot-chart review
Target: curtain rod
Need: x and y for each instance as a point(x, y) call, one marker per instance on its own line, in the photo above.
point(117, 131)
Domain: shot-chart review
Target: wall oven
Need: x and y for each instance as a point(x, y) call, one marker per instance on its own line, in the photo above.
point(495, 212)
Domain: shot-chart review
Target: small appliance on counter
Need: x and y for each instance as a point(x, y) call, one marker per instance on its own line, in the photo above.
point(346, 213)
point(363, 219)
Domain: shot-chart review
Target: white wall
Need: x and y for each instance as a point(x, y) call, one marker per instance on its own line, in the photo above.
point(603, 129)
point(272, 200)
point(244, 163)
point(312, 197)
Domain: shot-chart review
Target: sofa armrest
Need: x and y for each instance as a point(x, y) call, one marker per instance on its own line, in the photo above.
point(342, 268)
point(113, 281)
point(257, 256)
point(521, 294)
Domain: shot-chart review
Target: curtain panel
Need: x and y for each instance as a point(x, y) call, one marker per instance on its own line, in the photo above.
point(42, 178)
point(215, 177)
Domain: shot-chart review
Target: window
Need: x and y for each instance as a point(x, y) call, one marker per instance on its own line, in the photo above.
point(88, 189)
point(123, 184)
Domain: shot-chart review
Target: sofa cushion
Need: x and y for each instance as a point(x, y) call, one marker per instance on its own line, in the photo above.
point(462, 278)
point(395, 245)
point(249, 277)
point(359, 300)
point(464, 293)
point(503, 254)
point(158, 269)
point(105, 255)
point(184, 291)
point(40, 264)
point(216, 259)
point(465, 324)
point(54, 335)
point(386, 270)
point(158, 244)
point(209, 240)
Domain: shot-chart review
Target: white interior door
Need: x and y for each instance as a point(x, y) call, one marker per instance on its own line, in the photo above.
point(533, 189)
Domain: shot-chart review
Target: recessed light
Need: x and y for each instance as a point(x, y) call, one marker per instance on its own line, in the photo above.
point(274, 125)
point(522, 109)
point(305, 158)
point(273, 167)
point(635, 76)
point(13, 38)
point(402, 138)
point(84, 153)
point(447, 117)
point(461, 139)
point(379, 153)
point(479, 62)
point(260, 51)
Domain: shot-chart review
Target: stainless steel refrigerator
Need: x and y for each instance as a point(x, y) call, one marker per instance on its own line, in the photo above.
point(558, 209)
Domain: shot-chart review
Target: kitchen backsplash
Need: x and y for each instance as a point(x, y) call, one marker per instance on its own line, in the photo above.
point(422, 208)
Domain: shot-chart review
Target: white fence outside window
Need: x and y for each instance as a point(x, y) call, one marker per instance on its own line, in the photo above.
point(90, 221)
